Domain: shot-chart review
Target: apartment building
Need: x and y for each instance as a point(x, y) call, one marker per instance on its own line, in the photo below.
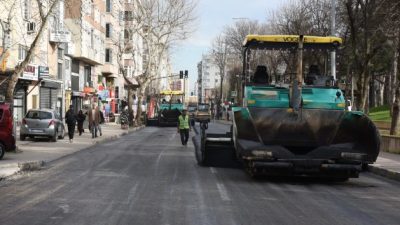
point(85, 19)
point(78, 59)
point(209, 78)
point(41, 83)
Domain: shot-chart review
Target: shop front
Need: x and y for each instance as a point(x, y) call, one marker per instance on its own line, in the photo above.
point(27, 82)
point(51, 95)
point(90, 98)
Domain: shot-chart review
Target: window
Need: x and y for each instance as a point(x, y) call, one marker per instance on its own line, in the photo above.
point(27, 9)
point(22, 51)
point(116, 92)
point(88, 76)
point(108, 6)
point(74, 83)
point(59, 71)
point(91, 38)
point(108, 30)
point(108, 55)
point(126, 34)
point(128, 15)
point(66, 63)
point(39, 115)
point(60, 53)
point(75, 66)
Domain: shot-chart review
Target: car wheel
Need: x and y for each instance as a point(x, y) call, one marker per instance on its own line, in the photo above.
point(2, 150)
point(22, 137)
point(61, 136)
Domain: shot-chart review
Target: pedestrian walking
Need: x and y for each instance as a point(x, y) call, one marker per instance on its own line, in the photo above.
point(80, 118)
point(70, 119)
point(94, 120)
point(102, 120)
point(184, 127)
point(124, 117)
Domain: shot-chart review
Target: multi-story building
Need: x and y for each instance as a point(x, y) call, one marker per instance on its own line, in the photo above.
point(40, 84)
point(111, 80)
point(85, 19)
point(133, 51)
point(209, 78)
point(80, 55)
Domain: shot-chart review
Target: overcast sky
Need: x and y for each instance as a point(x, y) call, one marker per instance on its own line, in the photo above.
point(213, 16)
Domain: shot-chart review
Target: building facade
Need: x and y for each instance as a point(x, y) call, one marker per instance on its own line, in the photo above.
point(40, 85)
point(209, 79)
point(79, 58)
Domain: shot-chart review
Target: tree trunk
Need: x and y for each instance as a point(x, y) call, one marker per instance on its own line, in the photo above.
point(20, 68)
point(372, 94)
point(387, 90)
point(219, 109)
point(140, 95)
point(396, 103)
point(395, 113)
point(363, 85)
point(130, 109)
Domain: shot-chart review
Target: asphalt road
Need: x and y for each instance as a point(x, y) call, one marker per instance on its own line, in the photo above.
point(149, 178)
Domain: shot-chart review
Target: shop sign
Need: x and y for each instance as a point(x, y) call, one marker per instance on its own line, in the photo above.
point(104, 94)
point(30, 73)
point(88, 90)
point(60, 36)
point(44, 72)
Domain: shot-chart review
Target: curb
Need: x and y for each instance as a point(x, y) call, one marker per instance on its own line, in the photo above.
point(40, 164)
point(393, 175)
point(31, 166)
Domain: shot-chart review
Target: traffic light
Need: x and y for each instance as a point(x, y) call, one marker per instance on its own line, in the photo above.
point(186, 74)
point(181, 74)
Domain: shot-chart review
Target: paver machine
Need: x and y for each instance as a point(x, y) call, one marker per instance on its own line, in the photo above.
point(297, 129)
point(169, 111)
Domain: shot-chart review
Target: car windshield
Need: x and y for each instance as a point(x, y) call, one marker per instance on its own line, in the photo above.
point(191, 108)
point(204, 107)
point(38, 115)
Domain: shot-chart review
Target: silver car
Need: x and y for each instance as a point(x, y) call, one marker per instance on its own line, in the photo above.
point(42, 123)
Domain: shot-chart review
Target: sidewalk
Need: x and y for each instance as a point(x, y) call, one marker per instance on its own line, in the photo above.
point(33, 154)
point(387, 165)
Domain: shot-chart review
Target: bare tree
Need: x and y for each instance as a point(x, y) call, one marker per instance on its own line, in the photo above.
point(160, 24)
point(391, 25)
point(44, 11)
point(219, 55)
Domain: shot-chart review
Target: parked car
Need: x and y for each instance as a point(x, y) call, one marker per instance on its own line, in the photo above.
point(42, 123)
point(7, 139)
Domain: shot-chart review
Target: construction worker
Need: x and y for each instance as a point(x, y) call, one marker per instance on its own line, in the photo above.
point(184, 126)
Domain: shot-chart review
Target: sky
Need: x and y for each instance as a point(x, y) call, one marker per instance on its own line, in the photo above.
point(213, 16)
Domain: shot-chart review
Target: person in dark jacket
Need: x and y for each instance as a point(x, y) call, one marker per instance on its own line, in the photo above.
point(80, 118)
point(70, 119)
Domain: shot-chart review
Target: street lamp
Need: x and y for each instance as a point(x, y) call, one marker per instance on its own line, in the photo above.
point(333, 52)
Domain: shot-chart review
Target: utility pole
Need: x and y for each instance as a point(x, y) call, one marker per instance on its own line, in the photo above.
point(184, 75)
point(333, 33)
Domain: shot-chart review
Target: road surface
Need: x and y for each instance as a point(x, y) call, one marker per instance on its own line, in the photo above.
point(148, 178)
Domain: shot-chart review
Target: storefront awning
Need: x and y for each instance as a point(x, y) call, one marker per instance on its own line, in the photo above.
point(131, 81)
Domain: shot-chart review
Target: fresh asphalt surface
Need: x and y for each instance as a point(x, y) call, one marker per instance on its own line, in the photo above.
point(148, 178)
